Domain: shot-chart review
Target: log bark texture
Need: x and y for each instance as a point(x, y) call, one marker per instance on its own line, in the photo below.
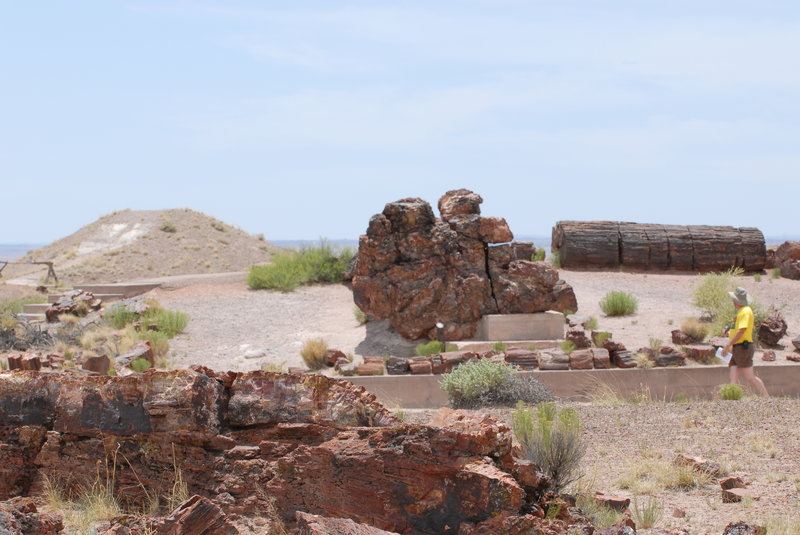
point(613, 244)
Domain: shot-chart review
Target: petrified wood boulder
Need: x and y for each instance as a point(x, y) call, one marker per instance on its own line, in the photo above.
point(416, 270)
point(75, 302)
point(308, 442)
point(19, 516)
point(772, 329)
point(610, 244)
point(787, 259)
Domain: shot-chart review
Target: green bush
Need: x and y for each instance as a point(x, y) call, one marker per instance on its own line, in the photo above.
point(555, 258)
point(140, 365)
point(617, 303)
point(291, 269)
point(118, 315)
point(159, 342)
point(483, 383)
point(499, 346)
point(567, 346)
point(552, 440)
point(434, 347)
point(538, 255)
point(14, 306)
point(169, 322)
point(168, 226)
point(731, 392)
point(696, 329)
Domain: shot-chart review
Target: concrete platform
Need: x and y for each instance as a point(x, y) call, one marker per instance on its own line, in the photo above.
point(699, 382)
point(126, 289)
point(35, 308)
point(506, 327)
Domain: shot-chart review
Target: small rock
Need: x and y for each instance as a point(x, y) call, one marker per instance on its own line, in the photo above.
point(743, 528)
point(768, 356)
point(255, 354)
point(678, 513)
point(794, 357)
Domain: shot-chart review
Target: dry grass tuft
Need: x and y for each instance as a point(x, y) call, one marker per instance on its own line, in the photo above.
point(313, 353)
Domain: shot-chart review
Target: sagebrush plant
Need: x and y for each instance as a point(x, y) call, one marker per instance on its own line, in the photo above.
point(538, 255)
point(643, 360)
point(551, 438)
point(485, 383)
point(618, 303)
point(696, 329)
point(313, 353)
point(290, 269)
point(434, 347)
point(168, 226)
point(731, 392)
point(567, 346)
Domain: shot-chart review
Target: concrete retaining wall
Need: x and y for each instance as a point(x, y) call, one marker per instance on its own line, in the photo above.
point(423, 392)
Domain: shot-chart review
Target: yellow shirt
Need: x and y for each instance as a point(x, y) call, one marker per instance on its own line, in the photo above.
point(744, 320)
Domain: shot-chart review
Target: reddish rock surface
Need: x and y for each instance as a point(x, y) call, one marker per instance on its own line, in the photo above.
point(772, 328)
point(19, 516)
point(320, 525)
point(308, 442)
point(787, 259)
point(416, 270)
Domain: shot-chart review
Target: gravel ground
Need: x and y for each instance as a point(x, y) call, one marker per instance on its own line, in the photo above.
point(755, 439)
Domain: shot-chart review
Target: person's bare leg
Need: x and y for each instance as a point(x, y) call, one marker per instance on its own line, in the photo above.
point(754, 381)
point(733, 372)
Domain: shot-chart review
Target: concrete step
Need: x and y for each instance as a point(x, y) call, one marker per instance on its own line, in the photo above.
point(126, 289)
point(31, 318)
point(35, 308)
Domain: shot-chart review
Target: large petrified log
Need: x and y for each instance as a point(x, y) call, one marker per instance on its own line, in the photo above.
point(247, 440)
point(416, 270)
point(611, 244)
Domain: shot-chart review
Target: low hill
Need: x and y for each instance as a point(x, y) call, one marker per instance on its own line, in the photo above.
point(139, 244)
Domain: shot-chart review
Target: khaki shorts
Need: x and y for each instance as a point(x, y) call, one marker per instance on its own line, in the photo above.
point(743, 356)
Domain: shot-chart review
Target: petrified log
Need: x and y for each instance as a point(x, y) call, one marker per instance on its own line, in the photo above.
point(610, 244)
point(787, 259)
point(416, 270)
point(308, 442)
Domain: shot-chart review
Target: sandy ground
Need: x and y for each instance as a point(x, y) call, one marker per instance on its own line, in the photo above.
point(233, 327)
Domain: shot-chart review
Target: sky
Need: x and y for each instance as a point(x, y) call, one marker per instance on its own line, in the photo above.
point(301, 119)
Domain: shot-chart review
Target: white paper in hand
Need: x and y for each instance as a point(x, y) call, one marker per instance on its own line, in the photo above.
point(724, 357)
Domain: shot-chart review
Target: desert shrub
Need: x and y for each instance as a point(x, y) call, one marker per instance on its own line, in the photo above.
point(555, 258)
point(601, 515)
point(290, 269)
point(361, 316)
point(276, 367)
point(168, 226)
point(538, 255)
point(592, 324)
point(681, 397)
point(434, 347)
point(499, 346)
point(711, 296)
point(648, 476)
point(775, 273)
point(731, 392)
point(313, 353)
point(118, 315)
point(485, 383)
point(169, 322)
point(782, 525)
point(757, 277)
point(474, 379)
point(643, 360)
point(159, 342)
point(696, 329)
point(567, 346)
point(140, 365)
point(647, 513)
point(600, 338)
point(654, 343)
point(3, 364)
point(551, 438)
point(617, 303)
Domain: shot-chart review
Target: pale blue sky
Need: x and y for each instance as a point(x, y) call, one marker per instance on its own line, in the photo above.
point(302, 119)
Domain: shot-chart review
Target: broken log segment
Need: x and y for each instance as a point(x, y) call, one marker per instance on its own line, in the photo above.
point(613, 244)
